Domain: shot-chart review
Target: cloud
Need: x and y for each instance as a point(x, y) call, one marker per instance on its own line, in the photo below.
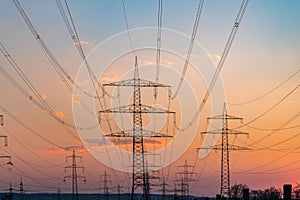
point(217, 57)
point(152, 141)
point(60, 114)
point(83, 42)
point(170, 63)
point(75, 98)
point(214, 57)
point(44, 96)
point(77, 148)
point(109, 78)
point(78, 83)
point(97, 142)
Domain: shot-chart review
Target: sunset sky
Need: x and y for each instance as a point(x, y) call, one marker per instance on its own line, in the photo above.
point(259, 82)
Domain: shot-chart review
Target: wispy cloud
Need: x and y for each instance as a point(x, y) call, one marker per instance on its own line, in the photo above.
point(83, 42)
point(77, 148)
point(61, 114)
point(75, 98)
point(44, 96)
point(170, 63)
point(109, 78)
point(147, 62)
point(214, 57)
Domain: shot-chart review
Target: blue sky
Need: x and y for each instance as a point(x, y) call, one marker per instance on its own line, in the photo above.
point(265, 52)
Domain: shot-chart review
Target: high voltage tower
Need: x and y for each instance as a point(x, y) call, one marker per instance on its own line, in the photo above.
point(22, 191)
point(119, 190)
point(5, 142)
point(58, 194)
point(104, 182)
point(140, 177)
point(186, 176)
point(74, 176)
point(225, 147)
point(164, 188)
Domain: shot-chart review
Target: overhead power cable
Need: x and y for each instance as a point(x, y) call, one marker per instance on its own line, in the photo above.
point(40, 102)
point(69, 21)
point(158, 44)
point(271, 108)
point(127, 28)
point(226, 50)
point(17, 120)
point(268, 92)
point(188, 56)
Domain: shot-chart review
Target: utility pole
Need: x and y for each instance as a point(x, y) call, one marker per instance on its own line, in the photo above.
point(225, 147)
point(186, 176)
point(104, 179)
point(137, 109)
point(74, 174)
point(22, 192)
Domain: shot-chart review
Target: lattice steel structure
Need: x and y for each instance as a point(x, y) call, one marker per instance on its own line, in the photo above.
point(104, 182)
point(186, 176)
point(9, 163)
point(74, 176)
point(140, 176)
point(225, 147)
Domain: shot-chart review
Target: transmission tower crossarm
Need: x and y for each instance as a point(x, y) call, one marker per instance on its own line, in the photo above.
point(229, 131)
point(130, 83)
point(227, 117)
point(5, 156)
point(230, 147)
point(5, 139)
point(130, 133)
point(130, 109)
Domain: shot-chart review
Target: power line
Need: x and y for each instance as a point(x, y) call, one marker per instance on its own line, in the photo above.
point(41, 103)
point(281, 127)
point(17, 120)
point(225, 53)
point(187, 59)
point(127, 27)
point(158, 44)
point(268, 92)
point(271, 108)
point(75, 36)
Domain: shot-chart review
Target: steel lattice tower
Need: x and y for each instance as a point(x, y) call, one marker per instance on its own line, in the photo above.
point(9, 163)
point(225, 147)
point(137, 133)
point(74, 174)
point(22, 192)
point(186, 178)
point(104, 179)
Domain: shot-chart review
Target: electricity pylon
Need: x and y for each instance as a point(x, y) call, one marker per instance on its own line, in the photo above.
point(225, 147)
point(119, 190)
point(137, 133)
point(22, 191)
point(10, 196)
point(58, 194)
point(164, 188)
point(74, 174)
point(5, 142)
point(104, 180)
point(186, 176)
